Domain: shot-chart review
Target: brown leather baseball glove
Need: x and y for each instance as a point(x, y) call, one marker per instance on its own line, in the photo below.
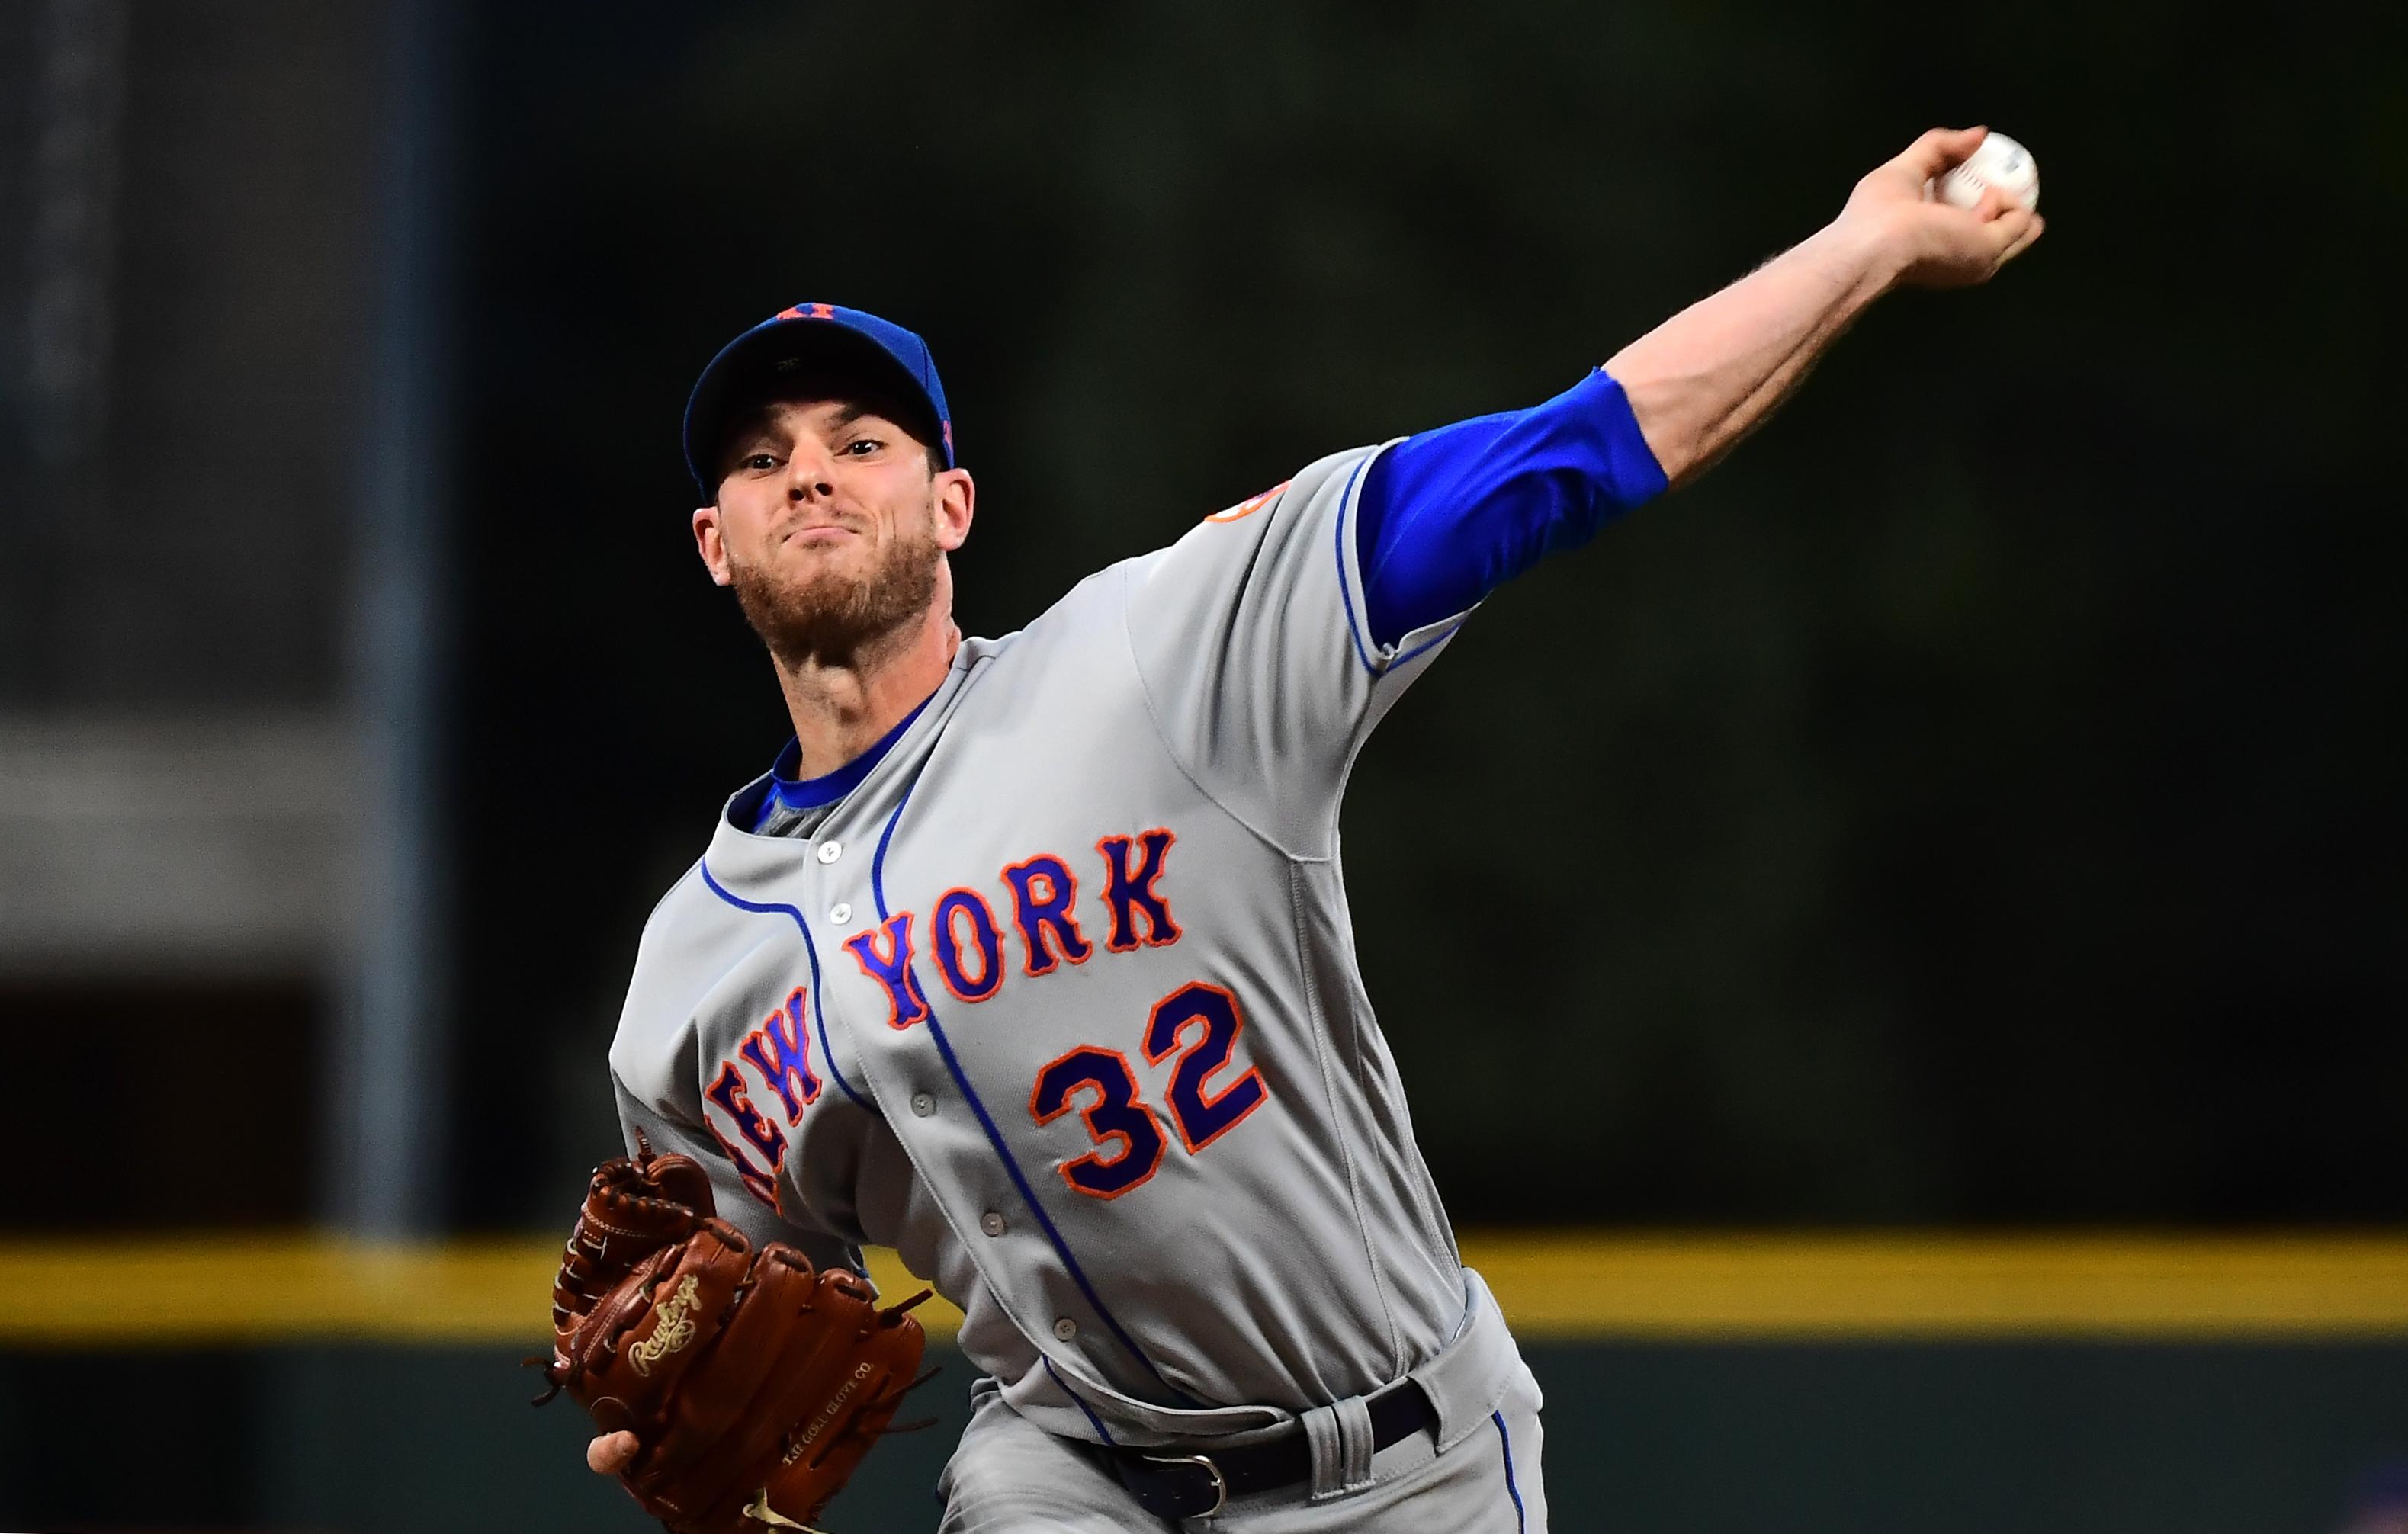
point(753, 1385)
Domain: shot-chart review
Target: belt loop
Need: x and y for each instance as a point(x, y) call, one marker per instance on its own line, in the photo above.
point(1355, 1434)
point(1340, 1437)
point(1321, 1437)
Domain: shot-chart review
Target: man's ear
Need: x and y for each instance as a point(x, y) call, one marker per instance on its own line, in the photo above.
point(956, 503)
point(708, 543)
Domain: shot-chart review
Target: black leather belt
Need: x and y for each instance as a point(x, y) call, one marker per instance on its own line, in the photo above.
point(1170, 1483)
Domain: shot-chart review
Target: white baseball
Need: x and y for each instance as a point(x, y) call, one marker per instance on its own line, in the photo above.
point(1999, 162)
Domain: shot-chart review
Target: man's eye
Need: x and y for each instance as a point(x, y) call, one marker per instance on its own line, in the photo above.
point(862, 447)
point(760, 462)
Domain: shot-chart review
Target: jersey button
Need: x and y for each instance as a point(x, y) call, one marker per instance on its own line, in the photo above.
point(1065, 1329)
point(831, 851)
point(839, 913)
point(991, 1222)
point(922, 1104)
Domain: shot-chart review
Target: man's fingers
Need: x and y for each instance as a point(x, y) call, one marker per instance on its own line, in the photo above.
point(2032, 225)
point(1941, 151)
point(611, 1453)
point(2007, 236)
point(2011, 225)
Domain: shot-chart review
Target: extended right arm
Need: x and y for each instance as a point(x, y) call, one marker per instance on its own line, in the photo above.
point(1449, 515)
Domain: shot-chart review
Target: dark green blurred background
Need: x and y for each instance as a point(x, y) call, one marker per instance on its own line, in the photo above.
point(1966, 805)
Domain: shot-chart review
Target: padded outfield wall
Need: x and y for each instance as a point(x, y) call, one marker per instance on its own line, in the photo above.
point(1734, 1383)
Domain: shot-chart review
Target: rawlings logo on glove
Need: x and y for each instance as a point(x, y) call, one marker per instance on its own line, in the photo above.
point(753, 1383)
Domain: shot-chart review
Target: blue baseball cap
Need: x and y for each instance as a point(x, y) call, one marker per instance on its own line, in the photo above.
point(817, 335)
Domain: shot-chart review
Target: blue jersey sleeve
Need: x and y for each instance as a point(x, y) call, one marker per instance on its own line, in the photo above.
point(1447, 516)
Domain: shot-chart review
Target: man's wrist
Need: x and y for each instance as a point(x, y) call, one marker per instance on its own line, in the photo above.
point(1865, 256)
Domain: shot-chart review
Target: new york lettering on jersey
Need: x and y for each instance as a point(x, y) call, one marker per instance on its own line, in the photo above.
point(966, 943)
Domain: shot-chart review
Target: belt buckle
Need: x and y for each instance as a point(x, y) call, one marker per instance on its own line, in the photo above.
point(1220, 1484)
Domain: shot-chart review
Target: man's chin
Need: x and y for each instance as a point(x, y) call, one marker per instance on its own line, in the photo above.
point(814, 604)
point(804, 582)
point(824, 607)
point(828, 621)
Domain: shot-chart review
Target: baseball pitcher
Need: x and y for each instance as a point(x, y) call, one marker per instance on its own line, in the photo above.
point(1030, 957)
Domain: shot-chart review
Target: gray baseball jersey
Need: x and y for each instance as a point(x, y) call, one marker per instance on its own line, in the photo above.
point(1061, 1001)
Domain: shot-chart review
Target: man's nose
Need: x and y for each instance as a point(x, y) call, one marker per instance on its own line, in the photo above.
point(809, 473)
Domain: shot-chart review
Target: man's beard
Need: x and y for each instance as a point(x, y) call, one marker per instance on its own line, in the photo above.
point(832, 619)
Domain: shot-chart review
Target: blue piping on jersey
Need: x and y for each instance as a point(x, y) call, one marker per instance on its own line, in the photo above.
point(994, 1135)
point(886, 839)
point(1346, 593)
point(770, 908)
point(1093, 1421)
point(1521, 1517)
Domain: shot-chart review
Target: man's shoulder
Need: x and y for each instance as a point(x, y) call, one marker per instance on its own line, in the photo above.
point(685, 903)
point(1098, 603)
point(1094, 603)
point(682, 952)
point(1087, 621)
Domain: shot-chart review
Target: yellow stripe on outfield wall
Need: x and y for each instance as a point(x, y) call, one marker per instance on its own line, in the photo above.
point(1567, 1285)
point(1554, 1285)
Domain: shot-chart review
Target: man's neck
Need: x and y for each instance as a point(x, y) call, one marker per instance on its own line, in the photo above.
point(843, 710)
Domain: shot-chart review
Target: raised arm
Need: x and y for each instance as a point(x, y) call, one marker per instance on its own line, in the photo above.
point(1449, 515)
point(1707, 377)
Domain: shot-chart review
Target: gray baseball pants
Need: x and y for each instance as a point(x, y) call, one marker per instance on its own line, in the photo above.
point(1009, 1476)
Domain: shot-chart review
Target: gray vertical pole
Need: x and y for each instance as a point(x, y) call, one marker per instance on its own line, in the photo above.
point(389, 1123)
point(73, 75)
point(71, 238)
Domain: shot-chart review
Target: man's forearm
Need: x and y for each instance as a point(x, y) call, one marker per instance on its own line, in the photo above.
point(1708, 376)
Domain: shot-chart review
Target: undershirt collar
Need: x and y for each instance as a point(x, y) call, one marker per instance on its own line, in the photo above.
point(791, 792)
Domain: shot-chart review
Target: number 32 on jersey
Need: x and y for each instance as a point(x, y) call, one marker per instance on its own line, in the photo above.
point(1200, 1023)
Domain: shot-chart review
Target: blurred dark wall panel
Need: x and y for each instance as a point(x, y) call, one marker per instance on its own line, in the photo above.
point(2214, 1439)
point(186, 244)
point(185, 373)
point(211, 1116)
point(1970, 804)
point(61, 1410)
